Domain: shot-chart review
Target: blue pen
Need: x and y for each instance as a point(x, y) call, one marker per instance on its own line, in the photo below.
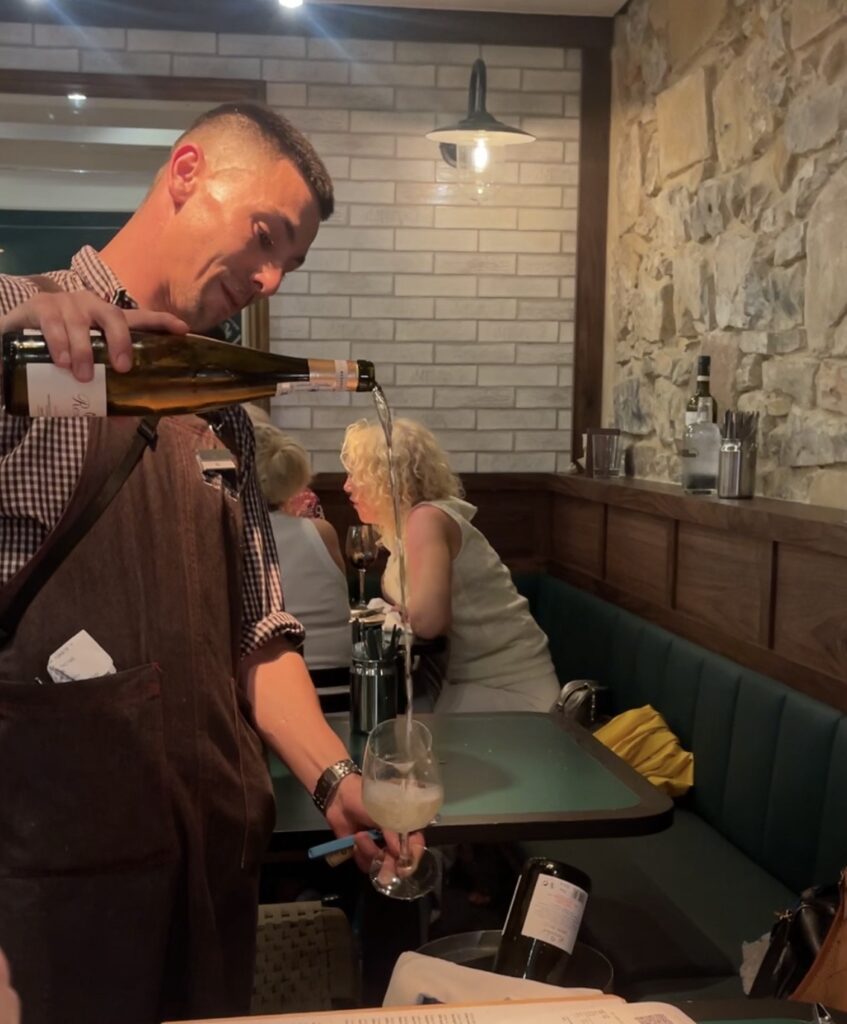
point(334, 845)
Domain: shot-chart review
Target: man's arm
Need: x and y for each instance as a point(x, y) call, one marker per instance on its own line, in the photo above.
point(289, 719)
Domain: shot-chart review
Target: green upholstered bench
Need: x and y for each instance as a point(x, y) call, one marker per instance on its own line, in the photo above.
point(766, 817)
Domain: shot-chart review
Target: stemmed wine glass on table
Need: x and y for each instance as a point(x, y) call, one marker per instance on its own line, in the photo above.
point(362, 551)
point(402, 791)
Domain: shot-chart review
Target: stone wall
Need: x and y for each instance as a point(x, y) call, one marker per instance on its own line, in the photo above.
point(728, 231)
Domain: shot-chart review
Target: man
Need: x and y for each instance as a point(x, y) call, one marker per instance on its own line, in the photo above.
point(134, 808)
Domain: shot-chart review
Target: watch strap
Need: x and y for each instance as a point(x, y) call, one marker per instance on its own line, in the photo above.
point(329, 780)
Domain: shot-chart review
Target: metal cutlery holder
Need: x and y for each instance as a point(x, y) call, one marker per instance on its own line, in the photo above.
point(737, 456)
point(737, 470)
point(374, 687)
point(376, 670)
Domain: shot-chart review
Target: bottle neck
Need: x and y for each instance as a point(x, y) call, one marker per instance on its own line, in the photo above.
point(702, 388)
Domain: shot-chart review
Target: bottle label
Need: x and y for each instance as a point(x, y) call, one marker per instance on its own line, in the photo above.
point(336, 377)
point(53, 391)
point(703, 414)
point(555, 912)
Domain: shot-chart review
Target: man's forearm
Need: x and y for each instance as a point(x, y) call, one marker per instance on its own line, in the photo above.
point(288, 715)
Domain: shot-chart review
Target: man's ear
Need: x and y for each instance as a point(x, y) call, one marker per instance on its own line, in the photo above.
point(184, 171)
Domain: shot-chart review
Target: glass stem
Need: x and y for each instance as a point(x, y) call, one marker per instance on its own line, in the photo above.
point(405, 858)
point(362, 601)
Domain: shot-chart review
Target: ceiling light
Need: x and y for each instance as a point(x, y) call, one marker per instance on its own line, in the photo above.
point(291, 4)
point(77, 98)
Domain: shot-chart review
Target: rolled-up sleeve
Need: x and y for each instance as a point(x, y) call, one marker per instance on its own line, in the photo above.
point(263, 607)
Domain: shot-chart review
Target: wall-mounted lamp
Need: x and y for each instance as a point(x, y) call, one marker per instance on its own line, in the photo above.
point(472, 146)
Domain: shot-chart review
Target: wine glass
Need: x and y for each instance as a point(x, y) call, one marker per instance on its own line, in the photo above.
point(402, 791)
point(361, 550)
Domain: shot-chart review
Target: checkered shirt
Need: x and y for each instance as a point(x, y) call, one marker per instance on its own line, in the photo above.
point(41, 461)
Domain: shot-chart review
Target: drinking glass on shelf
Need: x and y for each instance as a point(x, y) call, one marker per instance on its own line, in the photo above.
point(606, 454)
point(402, 791)
point(362, 552)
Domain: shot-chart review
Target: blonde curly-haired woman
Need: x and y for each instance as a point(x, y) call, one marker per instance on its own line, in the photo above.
point(456, 584)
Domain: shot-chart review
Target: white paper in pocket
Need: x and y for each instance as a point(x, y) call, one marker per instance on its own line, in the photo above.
point(81, 657)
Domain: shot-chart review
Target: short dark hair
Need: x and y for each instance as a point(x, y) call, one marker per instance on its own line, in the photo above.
point(281, 135)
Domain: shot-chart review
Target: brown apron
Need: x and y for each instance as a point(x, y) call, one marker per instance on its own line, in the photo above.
point(134, 808)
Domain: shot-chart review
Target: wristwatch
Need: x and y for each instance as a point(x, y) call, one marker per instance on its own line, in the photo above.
point(329, 780)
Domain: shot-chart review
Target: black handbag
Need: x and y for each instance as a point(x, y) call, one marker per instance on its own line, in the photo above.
point(796, 939)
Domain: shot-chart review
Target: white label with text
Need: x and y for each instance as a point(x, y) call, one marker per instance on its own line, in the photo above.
point(53, 391)
point(320, 380)
point(555, 912)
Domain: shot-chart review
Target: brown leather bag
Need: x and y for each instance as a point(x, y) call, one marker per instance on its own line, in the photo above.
point(826, 980)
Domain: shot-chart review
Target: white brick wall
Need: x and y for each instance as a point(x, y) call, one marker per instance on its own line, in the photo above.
point(466, 310)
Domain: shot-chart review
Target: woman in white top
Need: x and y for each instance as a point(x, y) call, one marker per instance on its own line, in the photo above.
point(456, 584)
point(314, 581)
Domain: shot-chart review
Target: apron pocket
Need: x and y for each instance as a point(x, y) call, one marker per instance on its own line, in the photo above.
point(82, 775)
point(89, 948)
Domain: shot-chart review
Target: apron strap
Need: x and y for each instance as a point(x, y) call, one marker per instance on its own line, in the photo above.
point(144, 437)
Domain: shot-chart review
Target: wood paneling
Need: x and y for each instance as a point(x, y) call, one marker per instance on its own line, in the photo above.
point(724, 580)
point(761, 582)
point(808, 526)
point(810, 619)
point(578, 534)
point(639, 554)
point(595, 113)
point(820, 685)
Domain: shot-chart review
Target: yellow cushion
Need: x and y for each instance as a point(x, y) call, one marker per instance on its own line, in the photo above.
point(642, 738)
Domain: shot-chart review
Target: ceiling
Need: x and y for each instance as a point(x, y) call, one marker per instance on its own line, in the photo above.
point(595, 8)
point(149, 13)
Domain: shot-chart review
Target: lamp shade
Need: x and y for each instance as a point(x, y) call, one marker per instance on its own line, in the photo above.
point(479, 124)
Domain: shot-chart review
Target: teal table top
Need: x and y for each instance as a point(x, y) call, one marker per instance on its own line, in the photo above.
point(506, 776)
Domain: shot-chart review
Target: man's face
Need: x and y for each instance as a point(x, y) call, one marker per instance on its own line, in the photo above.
point(234, 236)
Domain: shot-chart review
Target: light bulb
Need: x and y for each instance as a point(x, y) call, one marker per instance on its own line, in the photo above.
point(481, 156)
point(291, 4)
point(477, 168)
point(77, 97)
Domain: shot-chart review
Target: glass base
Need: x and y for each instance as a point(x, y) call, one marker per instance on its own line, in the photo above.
point(412, 887)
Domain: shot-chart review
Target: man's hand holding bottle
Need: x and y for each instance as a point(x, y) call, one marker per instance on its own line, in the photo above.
point(65, 319)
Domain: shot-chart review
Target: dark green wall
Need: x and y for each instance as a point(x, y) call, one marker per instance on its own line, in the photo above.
point(36, 241)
